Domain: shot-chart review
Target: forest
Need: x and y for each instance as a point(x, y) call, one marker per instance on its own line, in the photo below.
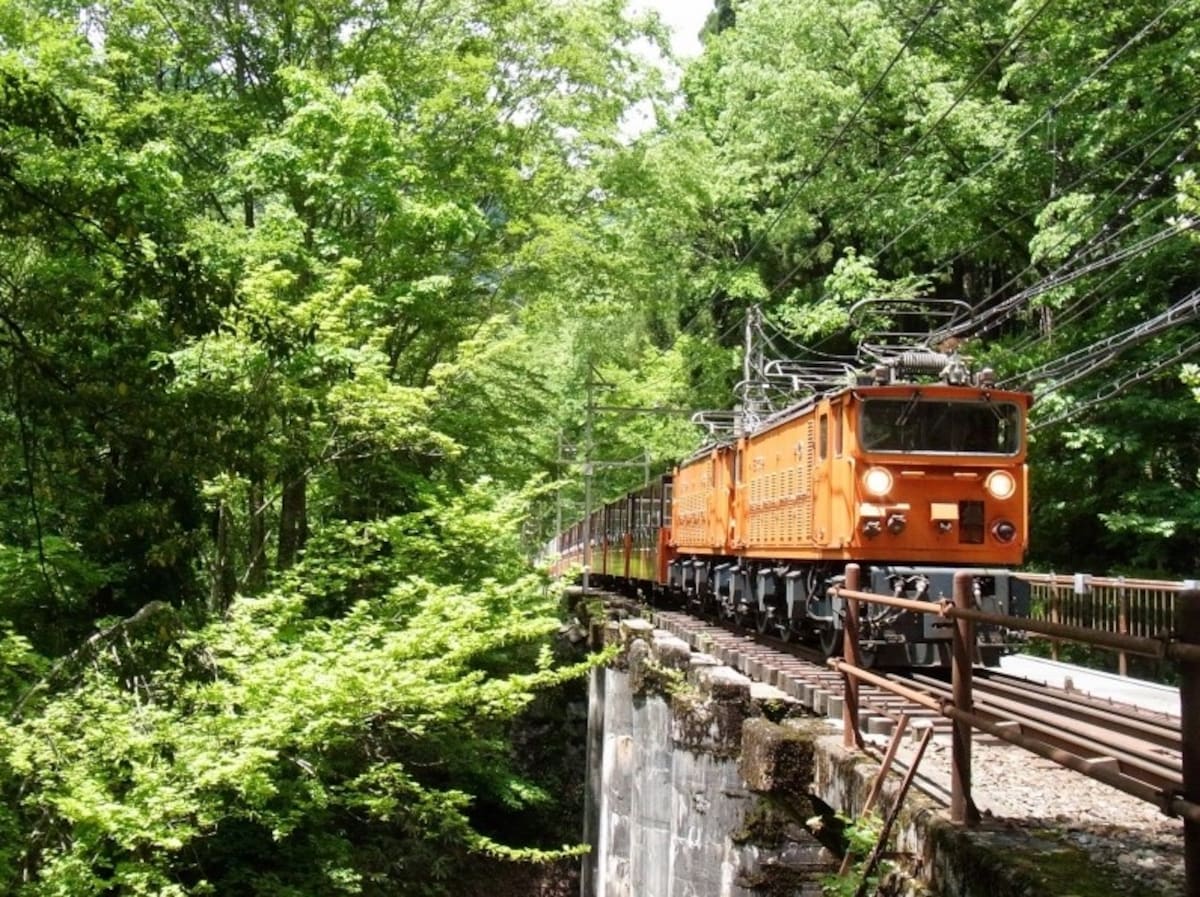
point(302, 303)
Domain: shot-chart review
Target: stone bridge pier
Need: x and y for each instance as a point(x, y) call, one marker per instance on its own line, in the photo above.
point(702, 783)
point(693, 790)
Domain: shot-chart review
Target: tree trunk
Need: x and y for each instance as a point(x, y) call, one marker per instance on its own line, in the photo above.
point(224, 579)
point(256, 574)
point(293, 517)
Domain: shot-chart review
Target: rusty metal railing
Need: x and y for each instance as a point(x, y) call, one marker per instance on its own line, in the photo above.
point(1180, 643)
point(1122, 605)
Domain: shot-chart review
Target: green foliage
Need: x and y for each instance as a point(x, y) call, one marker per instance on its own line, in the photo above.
point(296, 313)
point(255, 272)
point(285, 751)
point(860, 837)
point(237, 252)
point(19, 664)
point(1121, 499)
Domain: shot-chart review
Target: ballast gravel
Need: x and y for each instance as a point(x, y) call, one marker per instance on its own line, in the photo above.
point(1016, 789)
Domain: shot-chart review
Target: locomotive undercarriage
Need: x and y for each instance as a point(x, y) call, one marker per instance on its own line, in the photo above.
point(791, 601)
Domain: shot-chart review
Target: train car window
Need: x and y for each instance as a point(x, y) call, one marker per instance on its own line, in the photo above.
point(823, 437)
point(915, 424)
point(837, 429)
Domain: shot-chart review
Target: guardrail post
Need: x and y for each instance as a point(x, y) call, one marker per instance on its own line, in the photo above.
point(1187, 626)
point(962, 808)
point(851, 738)
point(1054, 613)
point(1122, 624)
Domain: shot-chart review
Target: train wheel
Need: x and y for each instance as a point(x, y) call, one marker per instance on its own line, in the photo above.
point(764, 622)
point(832, 639)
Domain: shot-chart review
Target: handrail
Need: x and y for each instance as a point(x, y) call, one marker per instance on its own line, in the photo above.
point(1125, 605)
point(1162, 647)
point(1111, 582)
point(1183, 647)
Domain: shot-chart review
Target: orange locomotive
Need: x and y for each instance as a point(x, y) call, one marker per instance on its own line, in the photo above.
point(912, 480)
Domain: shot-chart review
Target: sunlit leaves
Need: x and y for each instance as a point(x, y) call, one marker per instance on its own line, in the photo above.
point(253, 759)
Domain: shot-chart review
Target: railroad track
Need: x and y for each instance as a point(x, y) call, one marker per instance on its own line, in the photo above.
point(1140, 745)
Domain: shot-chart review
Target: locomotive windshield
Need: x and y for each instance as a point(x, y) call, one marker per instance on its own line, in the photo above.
point(915, 424)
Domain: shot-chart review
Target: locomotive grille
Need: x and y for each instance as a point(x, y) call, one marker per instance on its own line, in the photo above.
point(970, 522)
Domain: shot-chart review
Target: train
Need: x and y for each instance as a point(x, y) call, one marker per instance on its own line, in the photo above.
point(911, 476)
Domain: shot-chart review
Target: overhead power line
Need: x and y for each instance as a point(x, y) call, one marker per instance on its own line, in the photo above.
point(1074, 366)
point(997, 314)
point(1117, 387)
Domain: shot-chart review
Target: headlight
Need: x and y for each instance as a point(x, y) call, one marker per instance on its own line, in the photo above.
point(1000, 484)
point(1004, 530)
point(877, 481)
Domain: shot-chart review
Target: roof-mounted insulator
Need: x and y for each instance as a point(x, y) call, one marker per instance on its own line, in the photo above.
point(956, 372)
point(923, 362)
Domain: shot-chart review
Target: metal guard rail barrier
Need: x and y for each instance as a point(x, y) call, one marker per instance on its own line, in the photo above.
point(1105, 582)
point(1183, 647)
point(1125, 605)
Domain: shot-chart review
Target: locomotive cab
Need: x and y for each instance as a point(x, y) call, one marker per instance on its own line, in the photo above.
point(934, 479)
point(934, 472)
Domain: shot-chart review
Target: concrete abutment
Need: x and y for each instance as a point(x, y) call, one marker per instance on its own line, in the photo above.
point(704, 784)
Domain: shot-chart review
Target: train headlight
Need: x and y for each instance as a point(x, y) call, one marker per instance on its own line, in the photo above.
point(1004, 530)
point(877, 481)
point(1000, 484)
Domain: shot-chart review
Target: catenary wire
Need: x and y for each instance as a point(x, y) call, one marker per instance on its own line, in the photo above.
point(1117, 387)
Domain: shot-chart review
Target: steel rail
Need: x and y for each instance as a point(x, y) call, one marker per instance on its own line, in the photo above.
point(1157, 732)
point(1166, 772)
point(1083, 699)
point(1010, 731)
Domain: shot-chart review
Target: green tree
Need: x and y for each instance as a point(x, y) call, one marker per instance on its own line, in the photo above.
point(348, 732)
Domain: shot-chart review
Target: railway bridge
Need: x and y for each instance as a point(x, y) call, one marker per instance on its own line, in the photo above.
point(719, 766)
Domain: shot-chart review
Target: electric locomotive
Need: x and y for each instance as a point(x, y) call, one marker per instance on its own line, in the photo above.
point(912, 480)
point(913, 471)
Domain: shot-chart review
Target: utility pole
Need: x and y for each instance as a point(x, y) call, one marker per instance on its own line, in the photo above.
point(587, 478)
point(558, 474)
point(752, 371)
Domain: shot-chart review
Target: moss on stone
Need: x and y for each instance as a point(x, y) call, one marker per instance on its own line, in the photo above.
point(776, 758)
point(704, 724)
point(664, 680)
point(777, 881)
point(764, 825)
point(1006, 863)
